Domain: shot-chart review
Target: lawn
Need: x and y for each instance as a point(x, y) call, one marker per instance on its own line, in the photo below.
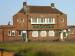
point(41, 48)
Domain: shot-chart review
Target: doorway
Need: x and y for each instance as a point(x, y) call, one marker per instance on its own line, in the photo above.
point(24, 36)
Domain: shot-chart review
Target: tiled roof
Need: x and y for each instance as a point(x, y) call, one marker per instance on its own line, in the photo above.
point(71, 26)
point(6, 26)
point(42, 9)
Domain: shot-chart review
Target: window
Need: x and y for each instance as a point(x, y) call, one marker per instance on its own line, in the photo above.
point(62, 20)
point(20, 32)
point(43, 20)
point(20, 20)
point(34, 33)
point(43, 33)
point(33, 21)
point(40, 20)
point(51, 20)
point(51, 33)
point(71, 31)
point(11, 33)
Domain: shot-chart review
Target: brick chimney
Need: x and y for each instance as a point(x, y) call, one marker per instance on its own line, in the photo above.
point(24, 6)
point(24, 3)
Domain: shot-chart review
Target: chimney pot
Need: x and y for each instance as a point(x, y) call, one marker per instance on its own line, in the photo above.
point(52, 5)
point(24, 3)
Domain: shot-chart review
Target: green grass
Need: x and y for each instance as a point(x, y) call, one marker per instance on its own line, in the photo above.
point(41, 48)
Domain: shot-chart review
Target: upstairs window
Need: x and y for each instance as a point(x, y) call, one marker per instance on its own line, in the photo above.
point(43, 21)
point(51, 20)
point(62, 20)
point(20, 20)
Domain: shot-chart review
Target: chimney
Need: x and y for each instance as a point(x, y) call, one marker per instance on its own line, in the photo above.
point(52, 5)
point(24, 6)
point(24, 3)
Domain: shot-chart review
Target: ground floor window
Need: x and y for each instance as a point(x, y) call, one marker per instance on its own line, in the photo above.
point(43, 33)
point(20, 32)
point(51, 33)
point(34, 33)
point(11, 33)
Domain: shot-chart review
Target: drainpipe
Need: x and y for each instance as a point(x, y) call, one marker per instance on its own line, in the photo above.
point(3, 35)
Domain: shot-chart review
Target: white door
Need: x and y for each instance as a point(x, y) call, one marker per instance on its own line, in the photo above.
point(24, 36)
point(61, 36)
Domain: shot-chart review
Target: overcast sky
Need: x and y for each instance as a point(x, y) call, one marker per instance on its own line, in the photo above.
point(10, 7)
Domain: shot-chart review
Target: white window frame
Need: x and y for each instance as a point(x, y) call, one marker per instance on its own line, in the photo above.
point(21, 33)
point(9, 33)
point(35, 34)
point(51, 33)
point(43, 33)
point(45, 22)
point(13, 31)
point(33, 22)
point(53, 20)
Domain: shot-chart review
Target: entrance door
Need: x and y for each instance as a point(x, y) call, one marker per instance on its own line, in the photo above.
point(24, 36)
point(61, 36)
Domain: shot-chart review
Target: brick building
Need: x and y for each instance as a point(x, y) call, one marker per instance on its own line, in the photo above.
point(36, 23)
point(71, 33)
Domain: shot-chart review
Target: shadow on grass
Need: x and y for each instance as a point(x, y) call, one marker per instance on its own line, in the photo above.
point(43, 53)
point(37, 53)
point(22, 52)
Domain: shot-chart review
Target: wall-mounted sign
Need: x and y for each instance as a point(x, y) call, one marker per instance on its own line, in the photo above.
point(43, 26)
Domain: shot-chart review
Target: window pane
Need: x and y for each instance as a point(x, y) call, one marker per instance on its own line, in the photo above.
point(51, 33)
point(9, 33)
point(34, 33)
point(42, 20)
point(53, 20)
point(43, 33)
point(20, 32)
point(34, 20)
point(50, 20)
point(13, 33)
point(39, 20)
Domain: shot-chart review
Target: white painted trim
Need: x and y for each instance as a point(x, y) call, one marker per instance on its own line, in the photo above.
point(46, 21)
point(61, 36)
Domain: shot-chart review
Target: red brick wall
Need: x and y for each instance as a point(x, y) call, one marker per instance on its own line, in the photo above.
point(1, 35)
point(18, 25)
point(5, 53)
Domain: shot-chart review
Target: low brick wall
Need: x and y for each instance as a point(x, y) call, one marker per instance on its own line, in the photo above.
point(6, 53)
